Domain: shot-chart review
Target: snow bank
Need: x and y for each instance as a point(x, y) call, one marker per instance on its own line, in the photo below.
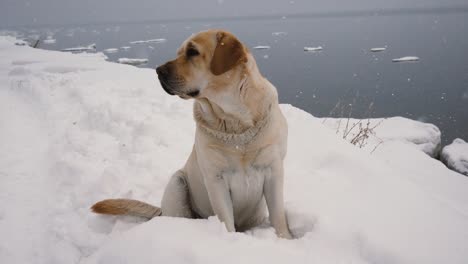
point(423, 136)
point(76, 129)
point(455, 156)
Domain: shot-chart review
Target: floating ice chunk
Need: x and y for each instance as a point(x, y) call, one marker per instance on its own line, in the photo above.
point(407, 58)
point(279, 33)
point(111, 50)
point(132, 61)
point(138, 42)
point(455, 156)
point(91, 47)
point(313, 49)
point(378, 49)
point(125, 47)
point(49, 40)
point(261, 47)
point(159, 40)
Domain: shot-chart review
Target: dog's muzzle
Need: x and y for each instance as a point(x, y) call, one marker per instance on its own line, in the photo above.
point(163, 74)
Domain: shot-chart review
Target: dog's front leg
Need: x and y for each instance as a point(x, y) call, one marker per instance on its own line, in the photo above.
point(273, 191)
point(220, 199)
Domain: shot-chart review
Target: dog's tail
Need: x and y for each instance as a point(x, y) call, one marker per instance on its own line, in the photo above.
point(126, 207)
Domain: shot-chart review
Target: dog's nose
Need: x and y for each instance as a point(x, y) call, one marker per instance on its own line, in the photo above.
point(163, 74)
point(162, 70)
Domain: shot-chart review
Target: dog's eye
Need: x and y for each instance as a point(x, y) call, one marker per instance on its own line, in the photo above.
point(191, 52)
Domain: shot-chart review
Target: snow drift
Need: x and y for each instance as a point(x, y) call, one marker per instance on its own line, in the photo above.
point(76, 129)
point(426, 137)
point(455, 156)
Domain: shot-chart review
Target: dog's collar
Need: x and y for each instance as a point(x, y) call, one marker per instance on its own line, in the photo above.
point(236, 140)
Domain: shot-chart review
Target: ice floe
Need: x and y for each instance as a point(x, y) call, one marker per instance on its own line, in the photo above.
point(405, 59)
point(91, 47)
point(158, 40)
point(126, 47)
point(378, 49)
point(261, 47)
point(132, 61)
point(313, 49)
point(111, 50)
point(279, 33)
point(49, 40)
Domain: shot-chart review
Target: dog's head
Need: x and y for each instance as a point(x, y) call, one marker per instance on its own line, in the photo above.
point(202, 64)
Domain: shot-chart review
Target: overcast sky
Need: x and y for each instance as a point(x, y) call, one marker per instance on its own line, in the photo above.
point(60, 12)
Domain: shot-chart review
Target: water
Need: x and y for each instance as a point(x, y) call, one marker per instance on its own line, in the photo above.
point(345, 78)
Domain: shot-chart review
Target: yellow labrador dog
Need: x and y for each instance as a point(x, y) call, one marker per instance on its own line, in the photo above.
point(235, 169)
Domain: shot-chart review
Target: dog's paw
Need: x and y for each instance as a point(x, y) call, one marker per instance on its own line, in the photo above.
point(285, 235)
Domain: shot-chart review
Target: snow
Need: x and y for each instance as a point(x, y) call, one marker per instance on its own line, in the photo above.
point(125, 47)
point(405, 59)
point(20, 42)
point(132, 61)
point(378, 49)
point(111, 50)
point(159, 40)
point(313, 49)
point(455, 156)
point(76, 129)
point(423, 136)
point(91, 47)
point(261, 47)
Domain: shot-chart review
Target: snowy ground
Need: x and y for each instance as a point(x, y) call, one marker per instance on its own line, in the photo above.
point(423, 136)
point(455, 156)
point(75, 129)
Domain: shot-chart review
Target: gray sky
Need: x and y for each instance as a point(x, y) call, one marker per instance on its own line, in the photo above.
point(59, 12)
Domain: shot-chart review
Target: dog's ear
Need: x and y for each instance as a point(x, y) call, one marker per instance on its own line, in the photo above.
point(228, 53)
